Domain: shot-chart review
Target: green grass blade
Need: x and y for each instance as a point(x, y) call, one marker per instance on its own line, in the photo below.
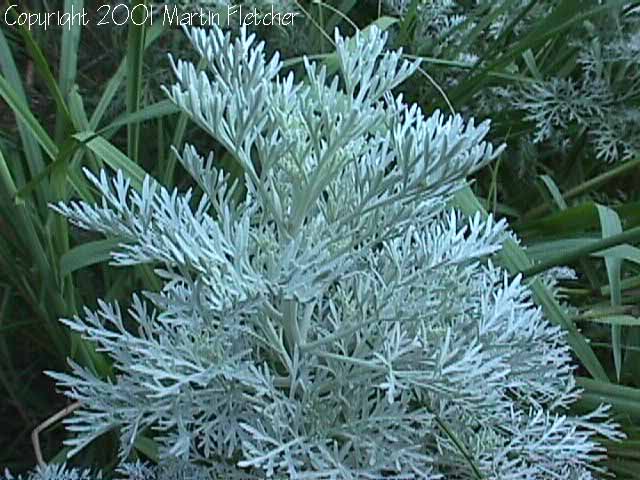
point(9, 186)
point(112, 157)
point(575, 220)
point(148, 447)
point(569, 256)
point(24, 114)
point(77, 111)
point(610, 225)
point(150, 112)
point(178, 136)
point(59, 163)
point(587, 267)
point(135, 53)
point(554, 191)
point(591, 184)
point(115, 82)
point(68, 66)
point(623, 400)
point(43, 68)
point(616, 321)
point(30, 147)
point(622, 252)
point(344, 7)
point(87, 254)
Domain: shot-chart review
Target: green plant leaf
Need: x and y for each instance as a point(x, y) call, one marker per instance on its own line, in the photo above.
point(590, 248)
point(87, 254)
point(617, 321)
point(555, 191)
point(44, 69)
point(150, 112)
point(30, 146)
point(68, 65)
point(30, 122)
point(611, 225)
point(623, 400)
point(135, 53)
point(115, 82)
point(112, 156)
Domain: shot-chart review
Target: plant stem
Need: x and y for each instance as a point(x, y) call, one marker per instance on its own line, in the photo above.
point(591, 184)
point(572, 255)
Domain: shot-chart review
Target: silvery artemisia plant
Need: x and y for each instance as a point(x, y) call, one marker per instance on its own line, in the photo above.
point(599, 96)
point(173, 470)
point(329, 316)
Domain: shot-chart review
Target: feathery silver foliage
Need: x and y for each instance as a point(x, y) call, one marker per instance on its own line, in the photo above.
point(327, 316)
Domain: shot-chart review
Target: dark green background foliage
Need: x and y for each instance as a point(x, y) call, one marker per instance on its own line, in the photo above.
point(90, 97)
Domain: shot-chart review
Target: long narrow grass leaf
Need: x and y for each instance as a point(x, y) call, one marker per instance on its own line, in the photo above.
point(135, 52)
point(24, 114)
point(610, 225)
